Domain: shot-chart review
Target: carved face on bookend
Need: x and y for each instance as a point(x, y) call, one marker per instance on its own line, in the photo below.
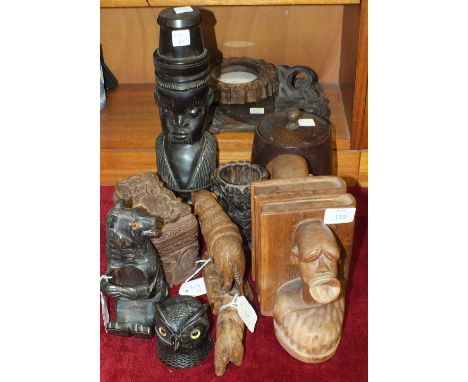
point(317, 254)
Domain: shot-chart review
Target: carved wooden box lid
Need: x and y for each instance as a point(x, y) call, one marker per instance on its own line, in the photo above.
point(147, 191)
point(293, 129)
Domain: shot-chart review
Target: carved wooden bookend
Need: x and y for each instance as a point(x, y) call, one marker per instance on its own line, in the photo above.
point(230, 334)
point(278, 207)
point(223, 240)
point(133, 276)
point(231, 184)
point(177, 243)
point(185, 153)
point(308, 311)
point(182, 332)
point(287, 189)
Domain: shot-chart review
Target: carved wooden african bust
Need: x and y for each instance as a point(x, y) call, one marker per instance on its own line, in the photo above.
point(185, 153)
point(308, 311)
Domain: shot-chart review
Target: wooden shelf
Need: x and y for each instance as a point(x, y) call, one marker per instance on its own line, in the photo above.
point(179, 3)
point(130, 124)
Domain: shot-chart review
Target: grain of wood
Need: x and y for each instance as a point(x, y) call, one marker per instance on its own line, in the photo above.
point(123, 3)
point(308, 35)
point(363, 170)
point(131, 120)
point(176, 3)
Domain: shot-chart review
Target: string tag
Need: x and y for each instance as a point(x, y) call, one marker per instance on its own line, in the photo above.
point(179, 10)
point(195, 287)
point(339, 215)
point(104, 309)
point(244, 309)
point(246, 313)
point(232, 304)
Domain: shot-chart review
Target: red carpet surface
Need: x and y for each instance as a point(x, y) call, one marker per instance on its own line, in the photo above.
point(134, 359)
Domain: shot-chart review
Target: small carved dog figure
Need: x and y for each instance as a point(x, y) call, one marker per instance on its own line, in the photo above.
point(223, 239)
point(134, 276)
point(229, 345)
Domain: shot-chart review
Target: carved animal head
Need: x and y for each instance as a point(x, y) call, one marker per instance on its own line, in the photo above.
point(317, 254)
point(128, 228)
point(203, 200)
point(183, 331)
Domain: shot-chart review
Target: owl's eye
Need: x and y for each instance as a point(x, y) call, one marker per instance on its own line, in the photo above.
point(162, 331)
point(134, 226)
point(195, 334)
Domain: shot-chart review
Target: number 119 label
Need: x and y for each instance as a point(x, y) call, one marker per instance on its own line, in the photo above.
point(339, 215)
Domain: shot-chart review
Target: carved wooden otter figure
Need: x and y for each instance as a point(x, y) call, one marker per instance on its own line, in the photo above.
point(223, 240)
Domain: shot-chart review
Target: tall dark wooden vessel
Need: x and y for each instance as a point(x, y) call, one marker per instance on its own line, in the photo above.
point(185, 153)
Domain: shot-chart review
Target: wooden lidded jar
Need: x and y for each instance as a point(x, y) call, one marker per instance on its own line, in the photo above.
point(294, 132)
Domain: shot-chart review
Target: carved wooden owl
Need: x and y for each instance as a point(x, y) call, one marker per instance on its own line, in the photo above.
point(182, 332)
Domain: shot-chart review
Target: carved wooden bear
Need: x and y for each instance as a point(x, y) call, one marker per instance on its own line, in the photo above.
point(134, 276)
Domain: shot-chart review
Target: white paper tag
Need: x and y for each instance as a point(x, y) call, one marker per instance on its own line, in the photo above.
point(246, 313)
point(306, 122)
point(105, 312)
point(180, 10)
point(193, 288)
point(181, 37)
point(257, 110)
point(339, 215)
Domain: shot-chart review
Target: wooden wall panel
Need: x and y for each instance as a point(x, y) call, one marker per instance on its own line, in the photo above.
point(128, 39)
point(364, 139)
point(291, 35)
point(245, 2)
point(348, 57)
point(363, 170)
point(123, 3)
point(353, 68)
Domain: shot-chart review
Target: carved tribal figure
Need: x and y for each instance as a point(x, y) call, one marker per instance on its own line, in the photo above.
point(185, 153)
point(308, 312)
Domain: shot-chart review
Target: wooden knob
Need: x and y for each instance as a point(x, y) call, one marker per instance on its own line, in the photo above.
point(293, 114)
